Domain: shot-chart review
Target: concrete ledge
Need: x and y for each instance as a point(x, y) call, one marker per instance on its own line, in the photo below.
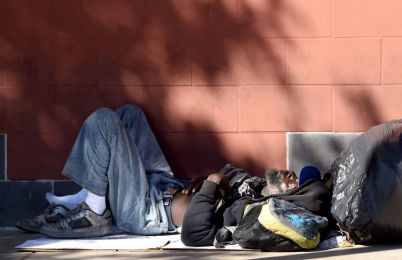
point(3, 156)
point(21, 199)
point(316, 149)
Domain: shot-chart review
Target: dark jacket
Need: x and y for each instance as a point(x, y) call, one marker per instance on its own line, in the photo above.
point(204, 217)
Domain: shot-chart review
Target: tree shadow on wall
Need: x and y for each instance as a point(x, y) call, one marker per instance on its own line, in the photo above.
point(63, 59)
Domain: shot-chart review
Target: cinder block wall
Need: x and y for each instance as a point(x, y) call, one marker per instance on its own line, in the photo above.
point(219, 80)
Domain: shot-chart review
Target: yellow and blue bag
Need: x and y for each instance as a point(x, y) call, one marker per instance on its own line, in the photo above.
point(279, 225)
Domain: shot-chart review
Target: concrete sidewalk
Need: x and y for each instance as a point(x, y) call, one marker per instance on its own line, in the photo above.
point(10, 237)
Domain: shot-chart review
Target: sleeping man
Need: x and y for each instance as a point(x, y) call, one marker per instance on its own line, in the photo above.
point(116, 159)
point(211, 208)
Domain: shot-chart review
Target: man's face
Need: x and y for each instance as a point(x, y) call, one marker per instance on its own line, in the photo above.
point(279, 181)
point(290, 180)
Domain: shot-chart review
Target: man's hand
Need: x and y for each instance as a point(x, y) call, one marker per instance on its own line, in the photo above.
point(194, 186)
point(221, 178)
point(222, 181)
point(215, 177)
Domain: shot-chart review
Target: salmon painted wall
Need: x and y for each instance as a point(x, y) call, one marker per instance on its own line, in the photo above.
point(219, 80)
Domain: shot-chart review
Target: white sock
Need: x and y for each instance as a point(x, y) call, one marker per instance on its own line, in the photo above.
point(96, 203)
point(68, 201)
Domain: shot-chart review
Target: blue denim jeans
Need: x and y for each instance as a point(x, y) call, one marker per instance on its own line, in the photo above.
point(116, 155)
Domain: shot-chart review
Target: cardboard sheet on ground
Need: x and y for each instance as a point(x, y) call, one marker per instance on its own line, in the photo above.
point(114, 242)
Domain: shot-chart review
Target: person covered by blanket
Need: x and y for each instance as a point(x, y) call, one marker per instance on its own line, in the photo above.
point(125, 176)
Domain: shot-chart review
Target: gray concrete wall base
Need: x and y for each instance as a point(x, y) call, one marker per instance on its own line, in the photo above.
point(317, 149)
point(21, 199)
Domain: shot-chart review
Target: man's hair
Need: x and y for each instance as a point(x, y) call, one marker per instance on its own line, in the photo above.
point(275, 182)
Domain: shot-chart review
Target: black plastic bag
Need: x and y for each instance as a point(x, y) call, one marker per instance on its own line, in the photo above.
point(367, 186)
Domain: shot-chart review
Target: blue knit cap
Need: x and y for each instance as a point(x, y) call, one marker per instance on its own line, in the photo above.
point(309, 172)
